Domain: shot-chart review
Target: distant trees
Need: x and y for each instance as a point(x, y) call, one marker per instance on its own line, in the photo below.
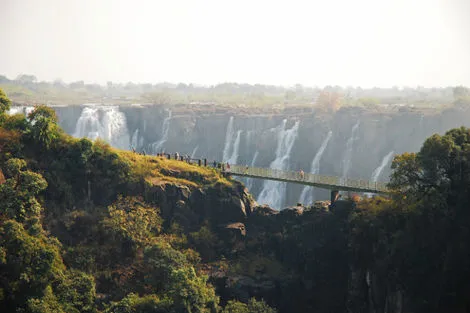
point(26, 79)
point(77, 84)
point(330, 100)
point(461, 95)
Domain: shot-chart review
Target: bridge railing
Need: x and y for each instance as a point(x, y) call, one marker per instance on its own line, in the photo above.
point(295, 176)
point(308, 177)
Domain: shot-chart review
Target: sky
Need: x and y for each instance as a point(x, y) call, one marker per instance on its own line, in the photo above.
point(363, 43)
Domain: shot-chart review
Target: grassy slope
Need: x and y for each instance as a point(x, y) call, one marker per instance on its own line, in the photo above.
point(158, 170)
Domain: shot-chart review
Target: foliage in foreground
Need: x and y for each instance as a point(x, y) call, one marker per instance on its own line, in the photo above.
point(110, 243)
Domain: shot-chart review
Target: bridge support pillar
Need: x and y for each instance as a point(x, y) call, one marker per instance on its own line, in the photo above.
point(334, 196)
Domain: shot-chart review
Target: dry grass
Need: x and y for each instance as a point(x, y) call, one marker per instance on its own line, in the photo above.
point(158, 170)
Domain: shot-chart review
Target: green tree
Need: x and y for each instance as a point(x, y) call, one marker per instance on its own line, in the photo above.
point(5, 102)
point(435, 182)
point(253, 306)
point(132, 219)
point(17, 194)
point(45, 128)
point(28, 265)
point(132, 303)
point(191, 293)
point(46, 304)
point(77, 292)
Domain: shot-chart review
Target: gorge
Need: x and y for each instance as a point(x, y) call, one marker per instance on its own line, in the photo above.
point(350, 143)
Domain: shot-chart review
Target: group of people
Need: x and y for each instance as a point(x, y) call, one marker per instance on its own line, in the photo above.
point(224, 167)
point(221, 166)
point(201, 162)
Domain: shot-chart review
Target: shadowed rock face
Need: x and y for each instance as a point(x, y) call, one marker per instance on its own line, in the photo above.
point(220, 205)
point(376, 136)
point(300, 260)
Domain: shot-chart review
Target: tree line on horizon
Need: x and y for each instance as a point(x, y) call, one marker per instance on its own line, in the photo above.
point(27, 87)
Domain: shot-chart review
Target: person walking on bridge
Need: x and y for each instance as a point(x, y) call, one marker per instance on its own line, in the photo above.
point(302, 175)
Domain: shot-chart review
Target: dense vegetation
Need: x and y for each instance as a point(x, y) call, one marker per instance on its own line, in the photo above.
point(86, 228)
point(111, 252)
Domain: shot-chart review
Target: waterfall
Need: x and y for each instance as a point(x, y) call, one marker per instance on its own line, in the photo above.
point(376, 173)
point(156, 146)
point(115, 127)
point(27, 110)
point(274, 192)
point(249, 180)
point(234, 157)
point(228, 140)
point(88, 124)
point(249, 137)
point(306, 196)
point(20, 110)
point(112, 127)
point(349, 150)
point(193, 154)
point(15, 110)
point(136, 141)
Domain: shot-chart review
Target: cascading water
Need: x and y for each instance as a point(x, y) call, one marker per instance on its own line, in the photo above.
point(306, 196)
point(228, 140)
point(193, 154)
point(349, 150)
point(249, 137)
point(249, 180)
point(111, 128)
point(115, 127)
point(376, 173)
point(15, 110)
point(20, 109)
point(234, 157)
point(137, 142)
point(273, 192)
point(88, 124)
point(156, 146)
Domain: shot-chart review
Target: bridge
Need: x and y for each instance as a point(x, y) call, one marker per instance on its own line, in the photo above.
point(332, 183)
point(326, 182)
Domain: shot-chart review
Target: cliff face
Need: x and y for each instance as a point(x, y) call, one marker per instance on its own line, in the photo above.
point(220, 205)
point(361, 141)
point(301, 260)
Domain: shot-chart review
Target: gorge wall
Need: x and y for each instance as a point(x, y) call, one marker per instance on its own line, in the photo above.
point(351, 143)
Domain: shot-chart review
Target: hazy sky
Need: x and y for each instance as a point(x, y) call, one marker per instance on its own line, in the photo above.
point(340, 42)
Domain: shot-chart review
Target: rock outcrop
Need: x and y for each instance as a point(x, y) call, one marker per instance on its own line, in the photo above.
point(189, 207)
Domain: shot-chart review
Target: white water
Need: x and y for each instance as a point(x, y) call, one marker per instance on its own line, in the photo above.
point(111, 127)
point(349, 150)
point(137, 142)
point(376, 173)
point(193, 154)
point(274, 192)
point(228, 140)
point(115, 126)
point(234, 157)
point(248, 139)
point(20, 109)
point(249, 180)
point(306, 196)
point(157, 146)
